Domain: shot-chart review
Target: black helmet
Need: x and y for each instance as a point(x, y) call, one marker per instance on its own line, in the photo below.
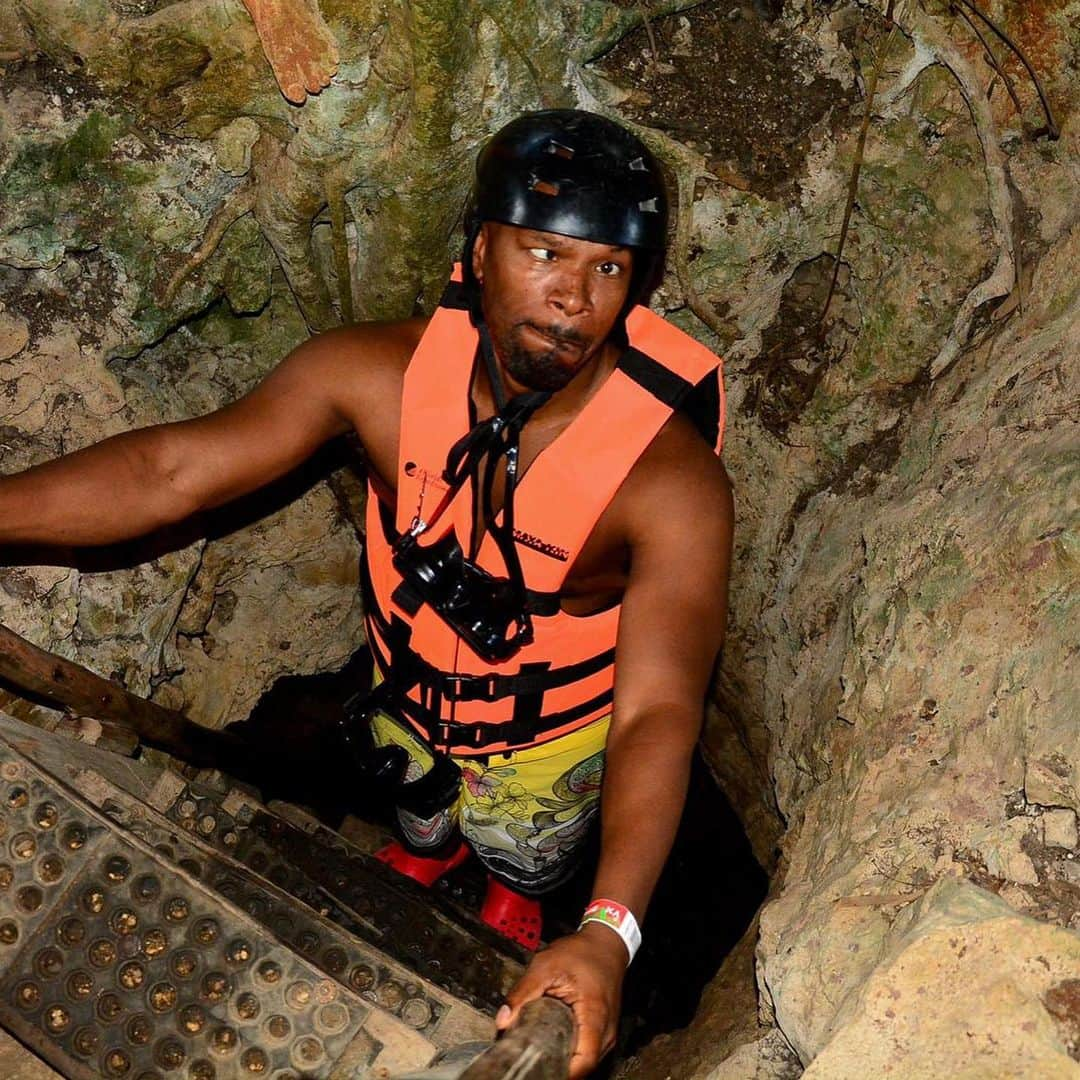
point(577, 174)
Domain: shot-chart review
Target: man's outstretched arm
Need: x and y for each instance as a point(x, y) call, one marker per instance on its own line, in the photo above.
point(131, 484)
point(670, 629)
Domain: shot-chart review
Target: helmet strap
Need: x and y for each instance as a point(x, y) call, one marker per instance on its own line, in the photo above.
point(487, 351)
point(468, 277)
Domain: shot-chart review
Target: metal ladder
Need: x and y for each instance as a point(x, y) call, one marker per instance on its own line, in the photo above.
point(153, 928)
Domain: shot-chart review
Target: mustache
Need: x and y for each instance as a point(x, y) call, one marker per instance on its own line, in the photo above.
point(560, 335)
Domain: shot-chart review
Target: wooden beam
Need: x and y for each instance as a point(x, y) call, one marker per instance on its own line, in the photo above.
point(537, 1047)
point(30, 669)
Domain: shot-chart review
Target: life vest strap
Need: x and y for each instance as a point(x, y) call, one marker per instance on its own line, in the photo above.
point(527, 725)
point(455, 296)
point(410, 669)
point(518, 733)
point(664, 384)
point(404, 670)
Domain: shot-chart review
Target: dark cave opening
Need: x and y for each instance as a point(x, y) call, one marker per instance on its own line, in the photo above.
point(707, 896)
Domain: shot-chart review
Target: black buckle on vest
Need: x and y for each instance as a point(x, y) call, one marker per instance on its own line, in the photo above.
point(451, 734)
point(469, 687)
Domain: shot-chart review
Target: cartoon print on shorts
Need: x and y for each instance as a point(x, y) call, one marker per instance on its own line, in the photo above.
point(496, 795)
point(564, 822)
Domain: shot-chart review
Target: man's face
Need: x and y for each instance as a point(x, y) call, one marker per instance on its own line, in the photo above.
point(550, 301)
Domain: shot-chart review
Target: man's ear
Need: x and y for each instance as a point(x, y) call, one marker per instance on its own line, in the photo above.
point(479, 247)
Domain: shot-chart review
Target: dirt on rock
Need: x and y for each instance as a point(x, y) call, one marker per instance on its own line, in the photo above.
point(802, 342)
point(83, 295)
point(69, 90)
point(1063, 1004)
point(736, 86)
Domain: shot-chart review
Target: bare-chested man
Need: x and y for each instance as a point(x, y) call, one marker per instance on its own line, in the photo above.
point(548, 539)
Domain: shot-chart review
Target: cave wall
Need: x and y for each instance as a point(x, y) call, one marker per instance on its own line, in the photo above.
point(891, 716)
point(897, 674)
point(167, 235)
point(947, 754)
point(905, 608)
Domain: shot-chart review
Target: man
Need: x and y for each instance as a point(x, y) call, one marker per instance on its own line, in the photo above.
point(547, 547)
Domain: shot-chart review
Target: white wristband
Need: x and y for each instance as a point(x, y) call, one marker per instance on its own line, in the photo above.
point(617, 917)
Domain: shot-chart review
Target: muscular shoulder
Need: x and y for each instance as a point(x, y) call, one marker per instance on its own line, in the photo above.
point(372, 350)
point(677, 510)
point(359, 367)
point(678, 492)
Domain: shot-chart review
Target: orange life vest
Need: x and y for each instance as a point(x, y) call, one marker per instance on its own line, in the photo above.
point(564, 678)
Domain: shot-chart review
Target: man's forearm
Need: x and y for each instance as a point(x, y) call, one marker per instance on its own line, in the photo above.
point(645, 781)
point(118, 489)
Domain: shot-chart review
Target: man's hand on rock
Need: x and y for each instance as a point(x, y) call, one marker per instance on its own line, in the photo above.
point(586, 971)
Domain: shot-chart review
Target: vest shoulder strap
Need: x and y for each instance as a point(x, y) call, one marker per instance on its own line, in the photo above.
point(690, 379)
point(454, 296)
point(663, 383)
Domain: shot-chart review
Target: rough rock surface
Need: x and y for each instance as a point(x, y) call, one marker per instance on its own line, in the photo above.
point(17, 1063)
point(768, 1057)
point(965, 961)
point(895, 704)
point(903, 623)
point(89, 207)
point(945, 641)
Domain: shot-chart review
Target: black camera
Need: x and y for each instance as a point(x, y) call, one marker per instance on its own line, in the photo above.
point(384, 769)
point(487, 612)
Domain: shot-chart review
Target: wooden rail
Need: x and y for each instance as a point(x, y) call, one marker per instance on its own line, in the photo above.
point(36, 671)
point(307, 772)
point(537, 1047)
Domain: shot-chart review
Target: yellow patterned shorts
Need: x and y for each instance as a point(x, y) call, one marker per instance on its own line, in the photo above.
point(525, 813)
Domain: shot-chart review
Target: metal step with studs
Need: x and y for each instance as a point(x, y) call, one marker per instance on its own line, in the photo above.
point(327, 937)
point(453, 951)
point(117, 962)
point(427, 933)
point(439, 939)
point(151, 930)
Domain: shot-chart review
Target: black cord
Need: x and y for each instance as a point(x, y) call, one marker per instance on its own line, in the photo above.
point(492, 439)
point(487, 350)
point(478, 454)
point(504, 533)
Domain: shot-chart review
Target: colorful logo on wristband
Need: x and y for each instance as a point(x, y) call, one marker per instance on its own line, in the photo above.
point(617, 917)
point(608, 913)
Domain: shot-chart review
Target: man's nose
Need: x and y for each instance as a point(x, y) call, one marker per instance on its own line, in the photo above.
point(571, 294)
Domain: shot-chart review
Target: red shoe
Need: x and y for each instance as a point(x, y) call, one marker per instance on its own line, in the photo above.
point(512, 915)
point(425, 871)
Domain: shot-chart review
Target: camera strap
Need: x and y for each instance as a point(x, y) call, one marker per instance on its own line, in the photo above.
point(384, 768)
point(477, 455)
point(517, 413)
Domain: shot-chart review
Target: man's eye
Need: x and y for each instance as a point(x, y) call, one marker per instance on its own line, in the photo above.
point(610, 269)
point(545, 254)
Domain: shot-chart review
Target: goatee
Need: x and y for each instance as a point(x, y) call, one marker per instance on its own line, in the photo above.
point(540, 370)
